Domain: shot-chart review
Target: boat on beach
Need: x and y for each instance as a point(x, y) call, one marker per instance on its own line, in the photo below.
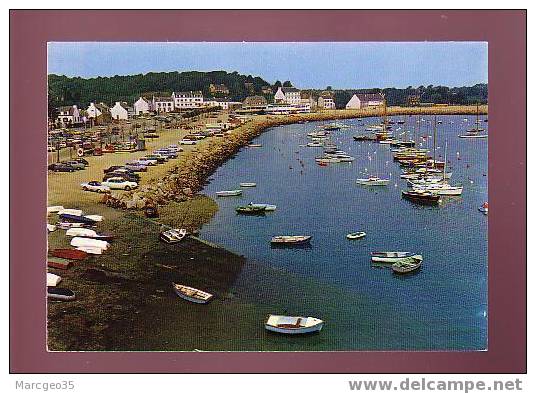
point(293, 325)
point(229, 193)
point(89, 233)
point(193, 295)
point(58, 263)
point(356, 235)
point(61, 294)
point(173, 235)
point(77, 219)
point(406, 265)
point(290, 240)
point(69, 253)
point(392, 256)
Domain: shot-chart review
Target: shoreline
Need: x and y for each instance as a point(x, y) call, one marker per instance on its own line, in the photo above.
point(189, 174)
point(115, 290)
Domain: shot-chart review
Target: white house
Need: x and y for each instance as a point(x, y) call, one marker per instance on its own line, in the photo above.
point(69, 115)
point(142, 106)
point(163, 104)
point(359, 101)
point(288, 95)
point(93, 111)
point(326, 102)
point(187, 99)
point(119, 111)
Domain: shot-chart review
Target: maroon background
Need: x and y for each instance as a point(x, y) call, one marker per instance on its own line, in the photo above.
point(505, 31)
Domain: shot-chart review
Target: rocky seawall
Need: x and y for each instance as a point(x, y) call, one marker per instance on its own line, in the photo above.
point(191, 170)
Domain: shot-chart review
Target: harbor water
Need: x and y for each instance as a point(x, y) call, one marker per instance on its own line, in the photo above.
point(443, 306)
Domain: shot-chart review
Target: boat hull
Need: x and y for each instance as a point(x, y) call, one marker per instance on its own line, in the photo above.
point(304, 330)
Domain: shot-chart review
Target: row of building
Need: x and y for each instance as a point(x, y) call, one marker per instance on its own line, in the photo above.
point(286, 100)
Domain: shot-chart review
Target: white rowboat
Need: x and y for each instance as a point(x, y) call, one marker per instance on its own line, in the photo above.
point(293, 325)
point(192, 294)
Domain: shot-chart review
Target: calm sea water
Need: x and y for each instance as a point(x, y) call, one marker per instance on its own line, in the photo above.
point(441, 307)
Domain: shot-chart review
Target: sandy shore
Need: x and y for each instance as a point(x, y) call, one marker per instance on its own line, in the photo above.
point(113, 289)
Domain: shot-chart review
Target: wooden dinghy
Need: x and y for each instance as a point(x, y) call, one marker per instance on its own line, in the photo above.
point(293, 325)
point(173, 235)
point(192, 294)
point(356, 235)
point(69, 253)
point(392, 256)
point(58, 263)
point(407, 265)
point(61, 294)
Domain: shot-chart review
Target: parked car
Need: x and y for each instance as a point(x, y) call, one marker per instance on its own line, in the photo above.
point(76, 165)
point(118, 183)
point(158, 157)
point(187, 142)
point(123, 175)
point(95, 186)
point(112, 168)
point(82, 161)
point(136, 167)
point(144, 161)
point(167, 153)
point(61, 167)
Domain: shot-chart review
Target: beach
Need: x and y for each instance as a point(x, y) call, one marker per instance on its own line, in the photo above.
point(127, 290)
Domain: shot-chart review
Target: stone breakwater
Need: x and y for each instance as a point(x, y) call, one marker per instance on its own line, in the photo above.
point(191, 170)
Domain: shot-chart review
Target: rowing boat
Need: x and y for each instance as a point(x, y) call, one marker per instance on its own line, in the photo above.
point(293, 325)
point(193, 295)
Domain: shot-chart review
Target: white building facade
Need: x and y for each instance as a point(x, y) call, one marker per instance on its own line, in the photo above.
point(142, 106)
point(119, 111)
point(69, 115)
point(288, 95)
point(187, 99)
point(326, 102)
point(92, 111)
point(359, 101)
point(163, 104)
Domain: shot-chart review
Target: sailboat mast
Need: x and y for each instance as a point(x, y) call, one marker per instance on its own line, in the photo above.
point(445, 166)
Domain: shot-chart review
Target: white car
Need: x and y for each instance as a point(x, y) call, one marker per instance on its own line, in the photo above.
point(146, 161)
point(187, 142)
point(118, 183)
point(95, 186)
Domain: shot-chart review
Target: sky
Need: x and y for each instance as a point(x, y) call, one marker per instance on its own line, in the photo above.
point(308, 65)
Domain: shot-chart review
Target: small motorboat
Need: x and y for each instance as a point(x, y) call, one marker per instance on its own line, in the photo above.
point(78, 219)
point(69, 253)
point(173, 235)
point(290, 240)
point(53, 280)
point(251, 210)
point(67, 225)
point(407, 265)
point(422, 197)
point(439, 188)
point(192, 294)
point(267, 207)
point(356, 235)
point(364, 138)
point(62, 294)
point(88, 243)
point(315, 144)
point(254, 145)
point(372, 181)
point(484, 208)
point(89, 233)
point(229, 193)
point(74, 212)
point(392, 256)
point(293, 325)
point(248, 184)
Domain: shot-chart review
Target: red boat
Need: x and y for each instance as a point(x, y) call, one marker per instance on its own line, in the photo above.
point(59, 264)
point(322, 163)
point(69, 253)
